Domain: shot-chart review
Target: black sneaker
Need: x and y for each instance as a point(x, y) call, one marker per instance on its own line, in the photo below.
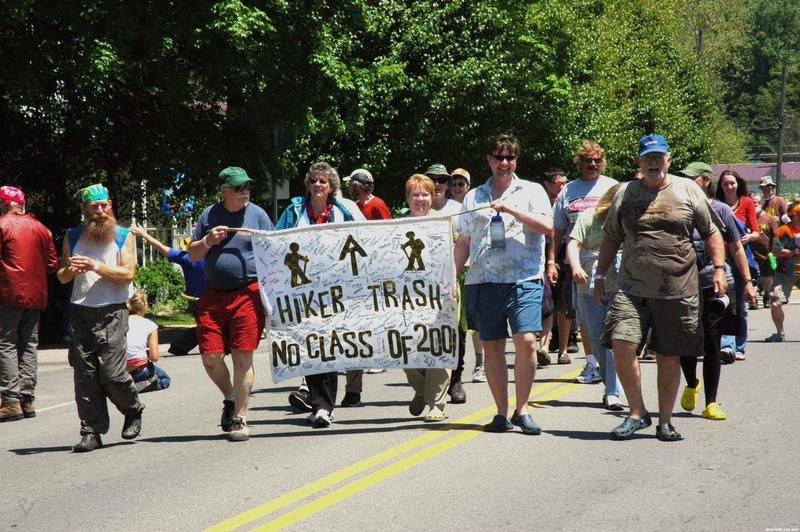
point(228, 409)
point(457, 394)
point(301, 400)
point(147, 385)
point(133, 425)
point(572, 344)
point(89, 442)
point(351, 399)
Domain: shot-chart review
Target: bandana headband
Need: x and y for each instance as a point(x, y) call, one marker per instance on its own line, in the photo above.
point(92, 193)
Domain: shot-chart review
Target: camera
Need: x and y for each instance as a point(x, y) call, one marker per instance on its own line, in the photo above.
point(719, 304)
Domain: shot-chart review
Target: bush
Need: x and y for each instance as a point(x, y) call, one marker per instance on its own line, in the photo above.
point(162, 282)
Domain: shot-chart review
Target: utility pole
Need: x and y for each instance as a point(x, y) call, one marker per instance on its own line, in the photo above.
point(781, 116)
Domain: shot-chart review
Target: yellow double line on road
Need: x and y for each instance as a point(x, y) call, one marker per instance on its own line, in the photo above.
point(381, 474)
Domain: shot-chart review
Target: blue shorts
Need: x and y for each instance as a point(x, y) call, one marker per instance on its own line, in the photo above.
point(496, 306)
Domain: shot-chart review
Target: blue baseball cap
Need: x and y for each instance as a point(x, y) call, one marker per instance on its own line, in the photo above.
point(653, 144)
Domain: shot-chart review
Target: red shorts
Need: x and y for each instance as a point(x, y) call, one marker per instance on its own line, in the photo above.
point(230, 319)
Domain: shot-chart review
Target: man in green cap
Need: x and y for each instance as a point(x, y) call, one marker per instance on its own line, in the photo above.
point(230, 313)
point(100, 258)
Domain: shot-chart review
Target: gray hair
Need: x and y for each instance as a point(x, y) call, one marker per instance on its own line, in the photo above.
point(326, 170)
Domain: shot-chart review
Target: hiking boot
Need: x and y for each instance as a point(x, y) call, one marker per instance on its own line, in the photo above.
point(457, 394)
point(351, 399)
point(563, 358)
point(239, 430)
point(89, 442)
point(28, 408)
point(132, 426)
point(11, 412)
point(228, 409)
point(589, 375)
point(301, 400)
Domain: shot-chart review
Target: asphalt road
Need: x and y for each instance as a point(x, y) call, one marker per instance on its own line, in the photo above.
point(377, 468)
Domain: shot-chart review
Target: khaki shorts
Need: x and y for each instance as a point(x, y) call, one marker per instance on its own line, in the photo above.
point(782, 287)
point(675, 323)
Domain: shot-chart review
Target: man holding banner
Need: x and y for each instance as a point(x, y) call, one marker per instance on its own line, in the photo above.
point(230, 313)
point(504, 285)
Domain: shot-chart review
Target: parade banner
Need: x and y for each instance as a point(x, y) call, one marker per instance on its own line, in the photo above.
point(375, 294)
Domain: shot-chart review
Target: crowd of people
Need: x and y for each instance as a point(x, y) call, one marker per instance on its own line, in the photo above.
point(664, 263)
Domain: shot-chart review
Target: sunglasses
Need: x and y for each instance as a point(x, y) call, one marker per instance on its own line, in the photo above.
point(318, 182)
point(244, 187)
point(460, 184)
point(595, 160)
point(559, 184)
point(440, 180)
point(509, 158)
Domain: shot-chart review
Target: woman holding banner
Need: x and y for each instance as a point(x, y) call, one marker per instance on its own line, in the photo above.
point(430, 385)
point(321, 205)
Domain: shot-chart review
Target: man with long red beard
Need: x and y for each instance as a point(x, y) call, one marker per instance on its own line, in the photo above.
point(101, 260)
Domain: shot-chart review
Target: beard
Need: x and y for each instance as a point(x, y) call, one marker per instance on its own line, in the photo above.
point(101, 228)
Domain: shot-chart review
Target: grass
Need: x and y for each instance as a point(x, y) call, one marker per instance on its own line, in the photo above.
point(170, 313)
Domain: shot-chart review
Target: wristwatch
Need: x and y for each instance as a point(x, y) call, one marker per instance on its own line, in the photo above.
point(598, 277)
point(750, 281)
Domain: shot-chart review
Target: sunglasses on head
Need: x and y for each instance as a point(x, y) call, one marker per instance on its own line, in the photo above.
point(440, 180)
point(509, 158)
point(244, 187)
point(595, 160)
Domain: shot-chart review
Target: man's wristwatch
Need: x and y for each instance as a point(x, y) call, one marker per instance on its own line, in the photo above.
point(750, 281)
point(719, 267)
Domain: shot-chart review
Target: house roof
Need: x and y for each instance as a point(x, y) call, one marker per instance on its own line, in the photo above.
point(755, 171)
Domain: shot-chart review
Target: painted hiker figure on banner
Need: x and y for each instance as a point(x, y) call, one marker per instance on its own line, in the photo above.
point(415, 255)
point(292, 261)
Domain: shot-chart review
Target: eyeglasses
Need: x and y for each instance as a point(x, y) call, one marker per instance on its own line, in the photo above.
point(440, 180)
point(559, 184)
point(595, 160)
point(244, 187)
point(318, 182)
point(501, 158)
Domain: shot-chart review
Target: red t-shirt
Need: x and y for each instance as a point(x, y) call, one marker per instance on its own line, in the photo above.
point(746, 212)
point(375, 209)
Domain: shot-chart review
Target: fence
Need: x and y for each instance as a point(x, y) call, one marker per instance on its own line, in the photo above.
point(169, 236)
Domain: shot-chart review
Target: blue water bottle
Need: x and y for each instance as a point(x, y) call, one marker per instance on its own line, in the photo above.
point(497, 233)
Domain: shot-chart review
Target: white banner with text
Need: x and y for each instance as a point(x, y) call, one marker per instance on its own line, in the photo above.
point(356, 295)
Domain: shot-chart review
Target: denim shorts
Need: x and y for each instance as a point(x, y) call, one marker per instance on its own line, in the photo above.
point(675, 324)
point(496, 306)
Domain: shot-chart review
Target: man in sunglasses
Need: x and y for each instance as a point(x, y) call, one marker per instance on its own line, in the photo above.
point(441, 185)
point(574, 198)
point(554, 181)
point(230, 313)
point(504, 285)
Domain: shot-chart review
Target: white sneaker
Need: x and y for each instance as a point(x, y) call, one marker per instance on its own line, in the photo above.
point(373, 371)
point(589, 375)
point(322, 420)
point(479, 374)
point(612, 402)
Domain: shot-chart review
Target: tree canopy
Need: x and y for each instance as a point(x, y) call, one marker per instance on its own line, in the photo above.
point(164, 94)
